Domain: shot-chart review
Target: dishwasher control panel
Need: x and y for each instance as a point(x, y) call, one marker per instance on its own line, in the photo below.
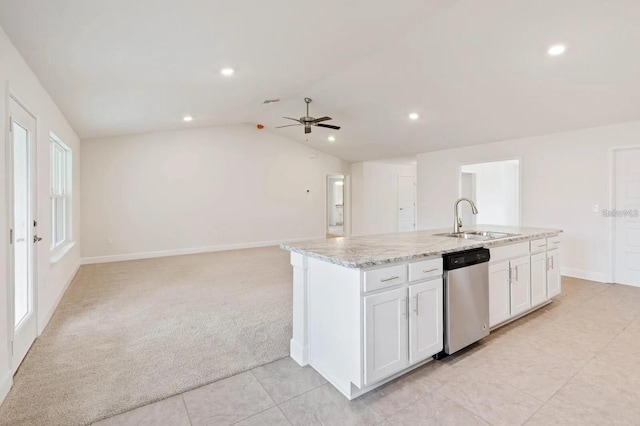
point(465, 258)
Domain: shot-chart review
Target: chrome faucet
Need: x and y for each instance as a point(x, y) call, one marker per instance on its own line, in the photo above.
point(457, 222)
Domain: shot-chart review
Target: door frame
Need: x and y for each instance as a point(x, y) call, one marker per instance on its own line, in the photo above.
point(497, 160)
point(611, 226)
point(10, 95)
point(346, 202)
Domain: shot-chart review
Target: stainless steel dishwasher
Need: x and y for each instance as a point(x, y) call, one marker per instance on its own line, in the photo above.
point(466, 298)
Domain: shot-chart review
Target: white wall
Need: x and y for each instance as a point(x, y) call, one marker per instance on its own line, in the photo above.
point(563, 175)
point(497, 188)
point(52, 278)
point(199, 190)
point(375, 196)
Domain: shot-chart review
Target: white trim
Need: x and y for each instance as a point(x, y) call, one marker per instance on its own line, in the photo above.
point(5, 385)
point(299, 353)
point(196, 250)
point(59, 252)
point(47, 317)
point(600, 277)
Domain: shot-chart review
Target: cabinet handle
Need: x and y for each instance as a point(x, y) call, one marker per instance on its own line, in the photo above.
point(517, 274)
point(416, 306)
point(405, 302)
point(553, 266)
point(510, 270)
point(426, 271)
point(384, 280)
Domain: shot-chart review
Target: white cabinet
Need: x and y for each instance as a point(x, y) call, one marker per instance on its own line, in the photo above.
point(425, 320)
point(553, 272)
point(520, 285)
point(509, 289)
point(538, 278)
point(402, 327)
point(499, 300)
point(385, 334)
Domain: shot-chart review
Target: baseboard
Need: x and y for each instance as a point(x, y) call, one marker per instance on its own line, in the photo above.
point(49, 314)
point(5, 385)
point(179, 252)
point(585, 275)
point(299, 353)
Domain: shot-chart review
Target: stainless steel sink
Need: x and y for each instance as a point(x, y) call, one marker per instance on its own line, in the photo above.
point(478, 235)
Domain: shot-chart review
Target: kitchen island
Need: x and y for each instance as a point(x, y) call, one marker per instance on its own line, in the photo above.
point(368, 309)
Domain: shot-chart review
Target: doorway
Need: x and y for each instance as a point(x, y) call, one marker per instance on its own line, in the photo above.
point(335, 206)
point(406, 203)
point(21, 170)
point(626, 217)
point(495, 189)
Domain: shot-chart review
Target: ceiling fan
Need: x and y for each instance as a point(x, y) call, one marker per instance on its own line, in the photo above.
point(308, 121)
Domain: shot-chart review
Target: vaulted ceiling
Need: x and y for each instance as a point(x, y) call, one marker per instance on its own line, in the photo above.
point(474, 71)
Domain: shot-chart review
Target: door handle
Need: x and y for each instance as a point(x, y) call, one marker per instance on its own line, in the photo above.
point(36, 239)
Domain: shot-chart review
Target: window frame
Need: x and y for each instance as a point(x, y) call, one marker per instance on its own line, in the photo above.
point(60, 185)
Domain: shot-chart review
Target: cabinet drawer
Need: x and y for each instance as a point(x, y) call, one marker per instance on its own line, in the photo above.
point(538, 245)
point(509, 251)
point(553, 242)
point(375, 279)
point(425, 269)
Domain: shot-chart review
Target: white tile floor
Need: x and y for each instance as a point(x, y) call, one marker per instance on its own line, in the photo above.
point(573, 362)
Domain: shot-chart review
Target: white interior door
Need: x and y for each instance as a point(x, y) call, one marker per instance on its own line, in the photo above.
point(406, 203)
point(22, 237)
point(627, 222)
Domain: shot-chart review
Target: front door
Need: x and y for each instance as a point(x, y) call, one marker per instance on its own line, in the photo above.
point(626, 217)
point(22, 237)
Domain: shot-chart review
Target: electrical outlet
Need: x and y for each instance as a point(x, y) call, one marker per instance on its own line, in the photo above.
point(596, 208)
point(109, 240)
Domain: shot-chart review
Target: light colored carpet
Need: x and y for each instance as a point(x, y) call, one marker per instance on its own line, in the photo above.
point(130, 333)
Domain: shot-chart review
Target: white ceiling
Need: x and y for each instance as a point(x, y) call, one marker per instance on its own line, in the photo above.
point(475, 71)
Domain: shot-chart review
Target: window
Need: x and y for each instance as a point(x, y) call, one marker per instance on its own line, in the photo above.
point(60, 193)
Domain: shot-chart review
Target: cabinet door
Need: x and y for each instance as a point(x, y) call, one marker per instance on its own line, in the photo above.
point(385, 334)
point(425, 320)
point(538, 278)
point(520, 285)
point(499, 297)
point(553, 272)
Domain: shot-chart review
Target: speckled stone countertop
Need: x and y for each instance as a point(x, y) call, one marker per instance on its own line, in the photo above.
point(371, 250)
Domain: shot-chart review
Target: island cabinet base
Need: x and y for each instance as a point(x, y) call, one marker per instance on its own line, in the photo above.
point(365, 326)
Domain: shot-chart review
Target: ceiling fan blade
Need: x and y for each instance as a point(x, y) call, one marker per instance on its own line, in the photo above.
point(288, 125)
point(307, 129)
point(294, 119)
point(328, 126)
point(318, 120)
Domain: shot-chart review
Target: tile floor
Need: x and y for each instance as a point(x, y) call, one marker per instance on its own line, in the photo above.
point(573, 362)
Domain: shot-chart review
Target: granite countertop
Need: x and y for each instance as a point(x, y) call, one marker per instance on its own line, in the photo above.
point(371, 250)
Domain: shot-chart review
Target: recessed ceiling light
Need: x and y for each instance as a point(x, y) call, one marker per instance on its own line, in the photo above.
point(331, 138)
point(414, 116)
point(557, 49)
point(187, 118)
point(226, 71)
